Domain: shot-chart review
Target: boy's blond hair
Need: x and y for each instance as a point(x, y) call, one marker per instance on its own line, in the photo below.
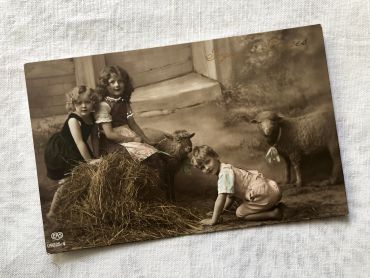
point(200, 153)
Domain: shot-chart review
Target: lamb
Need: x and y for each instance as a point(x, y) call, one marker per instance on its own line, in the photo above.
point(178, 145)
point(294, 137)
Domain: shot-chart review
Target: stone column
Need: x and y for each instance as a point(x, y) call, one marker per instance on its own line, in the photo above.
point(224, 62)
point(214, 59)
point(87, 69)
point(204, 58)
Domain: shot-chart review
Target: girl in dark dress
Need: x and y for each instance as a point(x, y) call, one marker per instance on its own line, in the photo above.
point(67, 148)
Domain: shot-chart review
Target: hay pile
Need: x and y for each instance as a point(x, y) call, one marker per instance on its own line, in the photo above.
point(118, 200)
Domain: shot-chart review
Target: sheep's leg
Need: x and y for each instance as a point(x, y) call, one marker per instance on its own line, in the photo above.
point(168, 190)
point(298, 175)
point(336, 170)
point(171, 187)
point(166, 177)
point(336, 173)
point(288, 165)
point(297, 170)
point(160, 165)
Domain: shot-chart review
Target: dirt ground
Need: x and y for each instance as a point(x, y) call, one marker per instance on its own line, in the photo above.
point(240, 145)
point(308, 202)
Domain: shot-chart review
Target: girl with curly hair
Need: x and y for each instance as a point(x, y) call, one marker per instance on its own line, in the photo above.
point(117, 125)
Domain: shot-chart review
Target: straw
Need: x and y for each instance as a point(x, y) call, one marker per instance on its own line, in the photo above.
point(119, 200)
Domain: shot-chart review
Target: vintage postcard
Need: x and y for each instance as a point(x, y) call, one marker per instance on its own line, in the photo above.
point(185, 139)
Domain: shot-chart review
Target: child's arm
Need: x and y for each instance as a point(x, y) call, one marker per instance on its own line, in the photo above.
point(135, 127)
point(115, 136)
point(75, 128)
point(219, 206)
point(229, 202)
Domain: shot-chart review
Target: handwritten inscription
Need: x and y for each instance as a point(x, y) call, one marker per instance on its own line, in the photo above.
point(210, 56)
point(221, 56)
point(301, 43)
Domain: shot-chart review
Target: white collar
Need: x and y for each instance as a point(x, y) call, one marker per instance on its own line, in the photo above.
point(112, 99)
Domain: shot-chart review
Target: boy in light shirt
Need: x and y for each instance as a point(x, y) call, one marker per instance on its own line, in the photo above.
point(260, 195)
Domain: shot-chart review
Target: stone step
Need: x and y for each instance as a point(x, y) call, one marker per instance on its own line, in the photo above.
point(156, 99)
point(172, 94)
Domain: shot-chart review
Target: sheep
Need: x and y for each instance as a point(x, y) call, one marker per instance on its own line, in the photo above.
point(178, 145)
point(294, 137)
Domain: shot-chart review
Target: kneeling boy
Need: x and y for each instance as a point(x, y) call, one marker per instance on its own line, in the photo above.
point(260, 195)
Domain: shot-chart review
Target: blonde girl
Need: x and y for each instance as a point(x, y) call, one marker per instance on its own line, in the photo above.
point(69, 146)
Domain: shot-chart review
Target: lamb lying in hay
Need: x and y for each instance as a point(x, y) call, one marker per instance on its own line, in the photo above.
point(298, 136)
point(118, 200)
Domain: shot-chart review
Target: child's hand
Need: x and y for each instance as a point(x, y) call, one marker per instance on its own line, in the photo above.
point(152, 143)
point(207, 222)
point(210, 213)
point(94, 161)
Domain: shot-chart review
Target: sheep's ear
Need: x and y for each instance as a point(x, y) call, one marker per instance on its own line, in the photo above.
point(253, 121)
point(191, 135)
point(193, 162)
point(168, 136)
point(279, 117)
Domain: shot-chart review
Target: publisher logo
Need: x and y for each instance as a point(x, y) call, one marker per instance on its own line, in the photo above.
point(56, 235)
point(57, 242)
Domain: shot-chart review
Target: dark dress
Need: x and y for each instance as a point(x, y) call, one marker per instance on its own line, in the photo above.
point(61, 152)
point(119, 113)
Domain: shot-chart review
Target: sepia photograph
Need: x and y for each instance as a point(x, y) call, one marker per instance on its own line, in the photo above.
point(185, 139)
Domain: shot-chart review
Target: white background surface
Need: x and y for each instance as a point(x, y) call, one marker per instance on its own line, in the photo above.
point(43, 30)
